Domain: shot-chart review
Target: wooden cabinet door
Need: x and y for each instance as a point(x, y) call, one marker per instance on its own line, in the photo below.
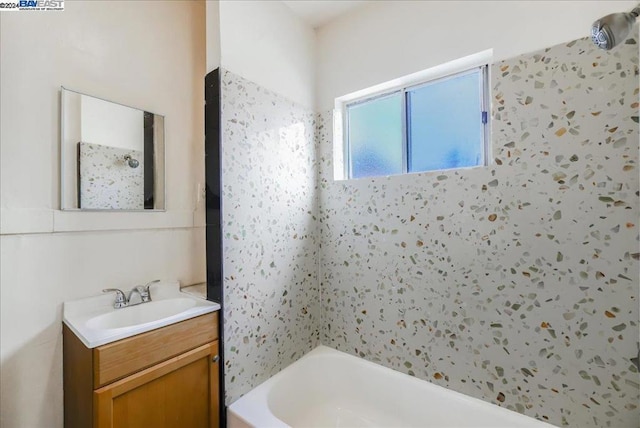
point(181, 392)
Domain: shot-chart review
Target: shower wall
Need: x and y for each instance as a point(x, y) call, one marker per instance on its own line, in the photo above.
point(106, 181)
point(270, 232)
point(515, 283)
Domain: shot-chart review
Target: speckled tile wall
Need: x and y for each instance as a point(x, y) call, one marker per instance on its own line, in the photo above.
point(270, 233)
point(515, 283)
point(106, 179)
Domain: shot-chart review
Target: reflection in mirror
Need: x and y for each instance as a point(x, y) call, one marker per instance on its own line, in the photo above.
point(112, 156)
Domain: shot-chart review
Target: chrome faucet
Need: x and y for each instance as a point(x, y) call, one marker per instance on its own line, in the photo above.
point(144, 295)
point(143, 292)
point(122, 300)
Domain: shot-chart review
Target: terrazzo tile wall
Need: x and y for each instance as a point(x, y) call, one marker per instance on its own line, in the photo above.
point(515, 283)
point(106, 179)
point(270, 231)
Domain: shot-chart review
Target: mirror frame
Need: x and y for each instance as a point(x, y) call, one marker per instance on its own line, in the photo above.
point(64, 161)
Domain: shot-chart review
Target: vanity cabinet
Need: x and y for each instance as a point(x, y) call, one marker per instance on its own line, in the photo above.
point(162, 378)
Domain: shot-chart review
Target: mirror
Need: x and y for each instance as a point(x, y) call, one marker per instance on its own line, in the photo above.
point(112, 155)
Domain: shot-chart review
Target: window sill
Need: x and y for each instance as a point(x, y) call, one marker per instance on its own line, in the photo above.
point(426, 174)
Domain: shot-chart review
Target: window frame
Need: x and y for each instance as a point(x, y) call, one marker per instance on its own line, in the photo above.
point(457, 68)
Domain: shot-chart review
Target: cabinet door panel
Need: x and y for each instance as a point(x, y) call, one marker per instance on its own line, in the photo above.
point(180, 392)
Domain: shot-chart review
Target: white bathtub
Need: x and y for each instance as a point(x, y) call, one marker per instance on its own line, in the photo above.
point(328, 388)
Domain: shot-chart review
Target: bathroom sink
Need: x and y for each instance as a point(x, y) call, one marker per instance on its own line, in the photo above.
point(96, 322)
point(141, 314)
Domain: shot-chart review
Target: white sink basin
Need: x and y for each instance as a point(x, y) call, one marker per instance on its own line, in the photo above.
point(96, 322)
point(141, 314)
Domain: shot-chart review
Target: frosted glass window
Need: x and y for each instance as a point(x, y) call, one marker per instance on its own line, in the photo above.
point(445, 124)
point(435, 125)
point(375, 136)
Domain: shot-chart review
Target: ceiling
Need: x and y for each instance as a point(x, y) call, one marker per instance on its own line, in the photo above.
point(318, 12)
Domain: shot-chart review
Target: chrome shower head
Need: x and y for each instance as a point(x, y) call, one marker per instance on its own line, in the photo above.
point(133, 163)
point(611, 30)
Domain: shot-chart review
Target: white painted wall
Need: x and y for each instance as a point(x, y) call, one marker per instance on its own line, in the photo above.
point(118, 51)
point(263, 41)
point(147, 54)
point(213, 34)
point(389, 39)
point(111, 124)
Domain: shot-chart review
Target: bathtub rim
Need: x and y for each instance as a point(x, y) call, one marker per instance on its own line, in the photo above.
point(258, 416)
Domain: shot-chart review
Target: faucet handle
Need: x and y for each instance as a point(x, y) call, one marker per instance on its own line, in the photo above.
point(144, 292)
point(146, 286)
point(145, 296)
point(121, 299)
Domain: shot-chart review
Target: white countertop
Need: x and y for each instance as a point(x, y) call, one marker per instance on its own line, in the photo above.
point(77, 314)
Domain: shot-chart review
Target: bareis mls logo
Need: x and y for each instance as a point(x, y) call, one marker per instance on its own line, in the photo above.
point(32, 5)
